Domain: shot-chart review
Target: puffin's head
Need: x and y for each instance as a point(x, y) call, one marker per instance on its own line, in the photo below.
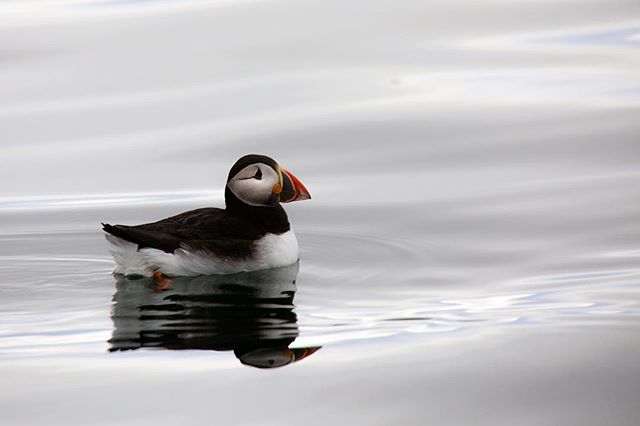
point(257, 180)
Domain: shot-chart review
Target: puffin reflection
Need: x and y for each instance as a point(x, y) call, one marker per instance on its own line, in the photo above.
point(249, 313)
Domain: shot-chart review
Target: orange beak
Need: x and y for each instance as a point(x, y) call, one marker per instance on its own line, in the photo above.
point(292, 188)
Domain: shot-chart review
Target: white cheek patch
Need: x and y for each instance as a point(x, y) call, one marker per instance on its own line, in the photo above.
point(255, 192)
point(250, 191)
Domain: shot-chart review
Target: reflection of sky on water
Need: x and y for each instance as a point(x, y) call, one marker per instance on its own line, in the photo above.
point(629, 37)
point(298, 91)
point(93, 200)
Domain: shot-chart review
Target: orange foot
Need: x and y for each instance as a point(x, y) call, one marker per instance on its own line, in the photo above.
point(162, 282)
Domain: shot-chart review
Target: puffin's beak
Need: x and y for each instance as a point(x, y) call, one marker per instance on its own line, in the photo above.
point(292, 188)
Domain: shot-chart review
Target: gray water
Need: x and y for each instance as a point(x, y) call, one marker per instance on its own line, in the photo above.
point(470, 255)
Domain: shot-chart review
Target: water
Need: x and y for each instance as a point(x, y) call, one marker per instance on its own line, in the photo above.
point(470, 253)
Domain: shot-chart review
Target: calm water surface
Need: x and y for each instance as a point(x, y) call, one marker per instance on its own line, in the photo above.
point(471, 252)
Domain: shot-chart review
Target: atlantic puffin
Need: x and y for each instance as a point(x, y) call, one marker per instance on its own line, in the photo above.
point(251, 233)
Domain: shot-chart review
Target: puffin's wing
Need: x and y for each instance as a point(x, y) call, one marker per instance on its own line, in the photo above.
point(144, 238)
point(232, 248)
point(207, 229)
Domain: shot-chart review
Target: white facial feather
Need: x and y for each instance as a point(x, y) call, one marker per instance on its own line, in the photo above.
point(253, 190)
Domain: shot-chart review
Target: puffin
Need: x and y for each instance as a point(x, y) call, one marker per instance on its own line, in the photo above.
point(251, 233)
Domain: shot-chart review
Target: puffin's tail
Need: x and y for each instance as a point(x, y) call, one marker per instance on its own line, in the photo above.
point(115, 231)
point(125, 252)
point(121, 232)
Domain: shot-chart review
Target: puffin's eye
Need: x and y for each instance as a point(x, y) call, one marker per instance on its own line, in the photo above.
point(258, 174)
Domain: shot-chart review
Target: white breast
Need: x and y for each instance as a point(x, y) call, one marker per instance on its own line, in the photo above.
point(271, 251)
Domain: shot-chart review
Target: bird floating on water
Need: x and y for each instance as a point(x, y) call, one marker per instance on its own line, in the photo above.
point(251, 233)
